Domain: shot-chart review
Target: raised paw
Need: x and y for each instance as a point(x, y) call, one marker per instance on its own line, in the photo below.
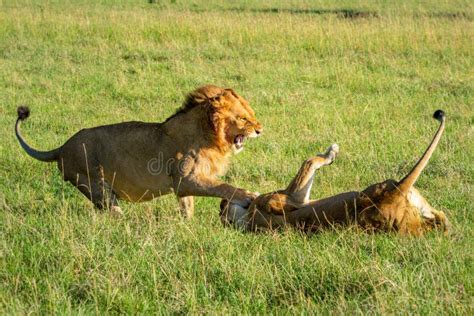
point(330, 154)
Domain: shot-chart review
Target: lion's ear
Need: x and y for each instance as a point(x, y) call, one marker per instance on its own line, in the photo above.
point(231, 91)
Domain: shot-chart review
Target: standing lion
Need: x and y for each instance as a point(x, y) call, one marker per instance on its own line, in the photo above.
point(139, 161)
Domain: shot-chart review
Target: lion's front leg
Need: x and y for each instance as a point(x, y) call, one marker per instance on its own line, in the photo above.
point(186, 206)
point(194, 186)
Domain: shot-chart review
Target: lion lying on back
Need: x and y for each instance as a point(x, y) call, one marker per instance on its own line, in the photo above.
point(387, 206)
point(139, 161)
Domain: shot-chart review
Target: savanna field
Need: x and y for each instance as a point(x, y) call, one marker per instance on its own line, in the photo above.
point(365, 74)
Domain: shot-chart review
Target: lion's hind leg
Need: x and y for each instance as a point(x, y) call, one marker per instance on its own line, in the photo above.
point(300, 187)
point(431, 218)
point(98, 191)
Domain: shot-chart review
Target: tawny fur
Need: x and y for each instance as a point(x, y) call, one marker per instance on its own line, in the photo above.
point(387, 206)
point(139, 161)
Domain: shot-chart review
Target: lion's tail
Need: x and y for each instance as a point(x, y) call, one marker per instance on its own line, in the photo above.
point(47, 156)
point(406, 183)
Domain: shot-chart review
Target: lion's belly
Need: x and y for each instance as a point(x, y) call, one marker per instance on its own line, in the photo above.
point(139, 186)
point(140, 195)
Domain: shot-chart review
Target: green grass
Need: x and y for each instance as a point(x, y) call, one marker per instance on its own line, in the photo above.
point(313, 77)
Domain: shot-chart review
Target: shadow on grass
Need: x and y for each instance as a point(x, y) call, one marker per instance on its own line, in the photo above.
point(341, 13)
point(348, 13)
point(451, 15)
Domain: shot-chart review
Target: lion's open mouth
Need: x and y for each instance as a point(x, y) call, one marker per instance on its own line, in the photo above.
point(239, 141)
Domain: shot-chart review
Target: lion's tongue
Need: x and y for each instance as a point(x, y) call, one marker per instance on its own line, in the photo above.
point(239, 141)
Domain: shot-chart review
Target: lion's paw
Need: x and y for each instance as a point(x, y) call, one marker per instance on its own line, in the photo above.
point(330, 154)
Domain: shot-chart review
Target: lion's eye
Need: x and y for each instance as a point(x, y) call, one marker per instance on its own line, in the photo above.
point(243, 119)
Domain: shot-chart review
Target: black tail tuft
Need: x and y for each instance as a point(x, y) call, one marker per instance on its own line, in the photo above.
point(439, 115)
point(23, 112)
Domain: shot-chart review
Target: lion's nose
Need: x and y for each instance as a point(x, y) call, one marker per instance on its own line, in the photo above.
point(258, 131)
